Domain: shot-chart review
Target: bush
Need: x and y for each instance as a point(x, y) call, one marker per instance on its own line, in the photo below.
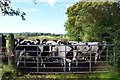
point(9, 71)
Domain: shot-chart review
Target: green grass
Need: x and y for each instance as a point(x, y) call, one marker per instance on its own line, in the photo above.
point(71, 76)
point(44, 37)
point(0, 74)
point(9, 71)
point(112, 74)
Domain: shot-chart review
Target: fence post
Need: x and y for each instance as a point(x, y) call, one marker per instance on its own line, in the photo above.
point(10, 48)
point(37, 61)
point(65, 60)
point(107, 55)
point(90, 63)
point(114, 56)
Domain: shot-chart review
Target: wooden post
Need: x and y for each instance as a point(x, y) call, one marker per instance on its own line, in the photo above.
point(10, 47)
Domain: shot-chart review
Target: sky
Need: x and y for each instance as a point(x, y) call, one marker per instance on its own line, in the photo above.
point(46, 16)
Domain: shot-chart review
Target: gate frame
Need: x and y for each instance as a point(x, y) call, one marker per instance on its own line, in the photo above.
point(65, 66)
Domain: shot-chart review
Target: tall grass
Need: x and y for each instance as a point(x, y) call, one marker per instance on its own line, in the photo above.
point(9, 71)
point(76, 76)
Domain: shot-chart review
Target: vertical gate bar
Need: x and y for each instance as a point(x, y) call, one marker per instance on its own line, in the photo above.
point(65, 60)
point(90, 60)
point(24, 60)
point(37, 60)
point(107, 55)
point(114, 51)
point(15, 58)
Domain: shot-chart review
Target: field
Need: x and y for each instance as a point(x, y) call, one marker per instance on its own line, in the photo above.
point(45, 37)
point(88, 22)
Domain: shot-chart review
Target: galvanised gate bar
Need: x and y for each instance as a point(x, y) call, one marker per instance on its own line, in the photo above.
point(54, 63)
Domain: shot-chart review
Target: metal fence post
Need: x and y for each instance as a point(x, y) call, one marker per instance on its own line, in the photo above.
point(65, 60)
point(15, 58)
point(107, 55)
point(114, 55)
point(90, 60)
point(37, 61)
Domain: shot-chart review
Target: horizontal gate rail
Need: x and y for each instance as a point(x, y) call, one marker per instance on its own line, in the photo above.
point(68, 67)
point(73, 72)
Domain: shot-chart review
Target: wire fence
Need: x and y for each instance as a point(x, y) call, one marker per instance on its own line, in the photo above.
point(58, 61)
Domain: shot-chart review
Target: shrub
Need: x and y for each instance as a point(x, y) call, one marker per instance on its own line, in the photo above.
point(9, 71)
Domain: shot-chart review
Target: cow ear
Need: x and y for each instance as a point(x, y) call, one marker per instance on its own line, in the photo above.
point(59, 43)
point(37, 39)
point(86, 43)
point(55, 40)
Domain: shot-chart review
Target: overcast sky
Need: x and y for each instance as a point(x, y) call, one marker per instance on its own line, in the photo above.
point(47, 16)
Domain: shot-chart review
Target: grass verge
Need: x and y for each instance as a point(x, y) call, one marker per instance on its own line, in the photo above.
point(9, 71)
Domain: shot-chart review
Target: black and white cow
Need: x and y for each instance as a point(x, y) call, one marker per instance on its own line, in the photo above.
point(87, 48)
point(36, 49)
point(26, 48)
point(72, 42)
point(65, 53)
point(62, 42)
point(20, 54)
point(51, 46)
point(31, 51)
point(95, 48)
point(27, 42)
point(40, 41)
point(47, 51)
point(17, 41)
point(44, 53)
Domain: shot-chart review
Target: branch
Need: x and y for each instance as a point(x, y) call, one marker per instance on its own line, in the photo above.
point(6, 9)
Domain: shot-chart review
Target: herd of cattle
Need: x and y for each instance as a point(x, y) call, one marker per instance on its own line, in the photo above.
point(70, 51)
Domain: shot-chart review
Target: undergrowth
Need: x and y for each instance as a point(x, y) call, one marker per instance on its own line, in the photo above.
point(9, 71)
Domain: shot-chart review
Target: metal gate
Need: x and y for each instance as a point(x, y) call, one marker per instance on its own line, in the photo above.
point(54, 64)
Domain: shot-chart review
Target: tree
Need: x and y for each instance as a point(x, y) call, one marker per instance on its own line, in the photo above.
point(10, 47)
point(93, 21)
point(6, 9)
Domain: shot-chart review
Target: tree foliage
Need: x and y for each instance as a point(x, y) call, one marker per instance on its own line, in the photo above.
point(6, 9)
point(93, 21)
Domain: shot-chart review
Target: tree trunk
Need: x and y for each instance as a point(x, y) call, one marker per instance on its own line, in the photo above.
point(10, 48)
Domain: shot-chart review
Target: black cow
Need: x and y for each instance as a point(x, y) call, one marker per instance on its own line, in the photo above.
point(28, 47)
point(32, 50)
